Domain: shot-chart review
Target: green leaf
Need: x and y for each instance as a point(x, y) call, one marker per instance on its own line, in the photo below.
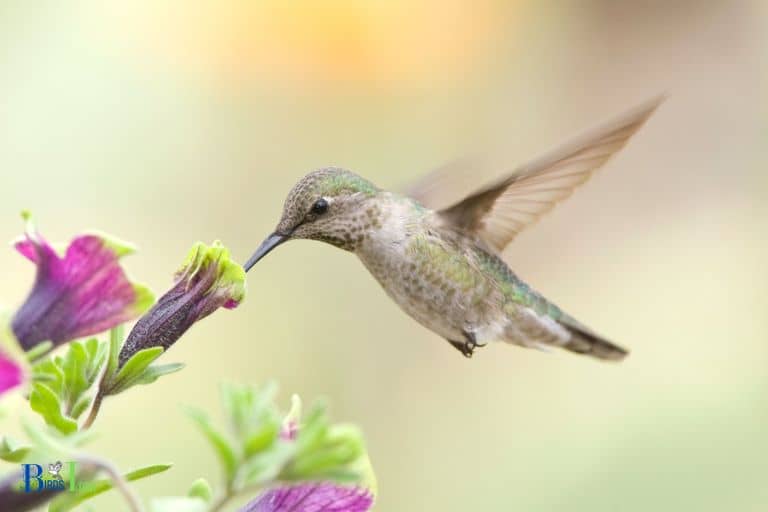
point(156, 371)
point(223, 448)
point(97, 353)
point(48, 371)
point(200, 488)
point(12, 450)
point(267, 466)
point(314, 429)
point(146, 471)
point(322, 462)
point(328, 453)
point(52, 445)
point(363, 467)
point(132, 369)
point(39, 350)
point(115, 344)
point(45, 402)
point(238, 402)
point(247, 407)
point(261, 439)
point(69, 500)
point(80, 406)
point(74, 364)
point(92, 347)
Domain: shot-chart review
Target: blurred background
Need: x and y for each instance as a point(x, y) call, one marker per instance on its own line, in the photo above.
point(166, 122)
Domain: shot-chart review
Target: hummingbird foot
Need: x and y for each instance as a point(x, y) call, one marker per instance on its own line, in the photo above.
point(466, 347)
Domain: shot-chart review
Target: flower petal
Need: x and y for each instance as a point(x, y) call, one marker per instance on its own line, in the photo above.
point(82, 293)
point(312, 497)
point(11, 373)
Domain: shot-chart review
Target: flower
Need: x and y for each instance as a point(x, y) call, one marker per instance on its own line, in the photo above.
point(13, 499)
point(289, 430)
point(207, 280)
point(82, 293)
point(312, 497)
point(11, 373)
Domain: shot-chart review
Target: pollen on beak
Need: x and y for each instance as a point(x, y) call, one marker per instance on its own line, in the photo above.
point(266, 246)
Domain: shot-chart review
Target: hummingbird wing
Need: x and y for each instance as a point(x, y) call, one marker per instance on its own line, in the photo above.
point(498, 212)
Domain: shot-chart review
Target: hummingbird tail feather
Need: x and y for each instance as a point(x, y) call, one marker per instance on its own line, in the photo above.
point(584, 342)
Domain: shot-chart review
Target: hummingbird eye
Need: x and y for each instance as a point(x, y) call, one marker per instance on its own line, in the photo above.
point(320, 206)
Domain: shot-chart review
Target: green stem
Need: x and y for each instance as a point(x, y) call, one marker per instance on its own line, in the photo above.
point(231, 492)
point(222, 500)
point(94, 411)
point(134, 503)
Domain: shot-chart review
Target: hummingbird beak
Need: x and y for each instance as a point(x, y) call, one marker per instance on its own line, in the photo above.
point(266, 246)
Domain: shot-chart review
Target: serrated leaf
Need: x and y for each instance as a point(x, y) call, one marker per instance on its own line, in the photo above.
point(223, 448)
point(156, 371)
point(12, 450)
point(132, 369)
point(45, 402)
point(69, 500)
point(201, 489)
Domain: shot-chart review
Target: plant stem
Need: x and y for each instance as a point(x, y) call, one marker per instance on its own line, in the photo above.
point(134, 503)
point(94, 411)
point(222, 500)
point(227, 495)
point(230, 493)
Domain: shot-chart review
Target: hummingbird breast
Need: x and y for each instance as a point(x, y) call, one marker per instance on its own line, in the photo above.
point(433, 277)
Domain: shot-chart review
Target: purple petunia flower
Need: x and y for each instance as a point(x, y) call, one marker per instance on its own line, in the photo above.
point(82, 293)
point(11, 373)
point(207, 281)
point(312, 497)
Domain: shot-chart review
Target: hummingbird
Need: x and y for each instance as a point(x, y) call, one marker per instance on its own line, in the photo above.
point(444, 266)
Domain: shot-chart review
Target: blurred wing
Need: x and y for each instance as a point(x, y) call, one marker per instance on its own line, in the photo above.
point(440, 187)
point(497, 213)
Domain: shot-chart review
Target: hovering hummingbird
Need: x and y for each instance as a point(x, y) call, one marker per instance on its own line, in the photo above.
point(443, 266)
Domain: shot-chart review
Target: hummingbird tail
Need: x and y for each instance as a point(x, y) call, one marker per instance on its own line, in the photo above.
point(585, 342)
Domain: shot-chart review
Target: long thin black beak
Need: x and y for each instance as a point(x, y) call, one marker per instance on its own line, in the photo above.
point(266, 246)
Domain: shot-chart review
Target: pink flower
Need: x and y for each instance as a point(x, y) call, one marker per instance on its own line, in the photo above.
point(312, 497)
point(82, 293)
point(11, 373)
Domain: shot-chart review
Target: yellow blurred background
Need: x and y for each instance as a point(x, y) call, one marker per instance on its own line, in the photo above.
point(166, 122)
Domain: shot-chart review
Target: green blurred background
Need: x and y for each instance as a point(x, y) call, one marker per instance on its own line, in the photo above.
point(166, 122)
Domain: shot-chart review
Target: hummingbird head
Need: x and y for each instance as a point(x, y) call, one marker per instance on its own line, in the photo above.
point(326, 205)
